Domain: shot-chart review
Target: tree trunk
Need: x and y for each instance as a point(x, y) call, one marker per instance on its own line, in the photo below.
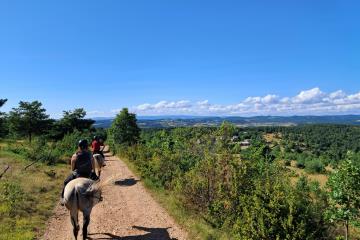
point(30, 137)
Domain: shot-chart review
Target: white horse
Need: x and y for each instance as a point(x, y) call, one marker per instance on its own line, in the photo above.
point(99, 162)
point(81, 194)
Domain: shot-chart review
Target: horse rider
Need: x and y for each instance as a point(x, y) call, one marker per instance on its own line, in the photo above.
point(97, 146)
point(82, 164)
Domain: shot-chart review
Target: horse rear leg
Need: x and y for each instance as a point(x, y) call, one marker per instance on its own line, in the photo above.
point(86, 221)
point(75, 222)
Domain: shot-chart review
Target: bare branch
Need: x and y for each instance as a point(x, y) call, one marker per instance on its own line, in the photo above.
point(27, 166)
point(5, 170)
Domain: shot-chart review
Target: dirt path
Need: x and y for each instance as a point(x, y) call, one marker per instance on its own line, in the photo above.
point(128, 212)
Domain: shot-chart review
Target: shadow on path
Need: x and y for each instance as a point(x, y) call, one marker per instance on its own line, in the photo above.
point(153, 234)
point(126, 182)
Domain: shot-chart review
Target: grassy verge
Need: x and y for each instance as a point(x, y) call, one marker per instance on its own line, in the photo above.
point(196, 226)
point(27, 197)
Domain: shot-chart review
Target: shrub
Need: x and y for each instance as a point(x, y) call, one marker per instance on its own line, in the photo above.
point(68, 145)
point(40, 151)
point(315, 166)
point(12, 197)
point(300, 163)
point(17, 149)
point(287, 162)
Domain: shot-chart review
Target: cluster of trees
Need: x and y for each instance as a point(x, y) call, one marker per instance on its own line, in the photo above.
point(328, 143)
point(29, 119)
point(312, 146)
point(49, 140)
point(246, 192)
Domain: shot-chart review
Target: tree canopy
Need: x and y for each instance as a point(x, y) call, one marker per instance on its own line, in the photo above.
point(29, 119)
point(124, 130)
point(71, 121)
point(344, 193)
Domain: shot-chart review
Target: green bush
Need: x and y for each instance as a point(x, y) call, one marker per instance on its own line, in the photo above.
point(42, 150)
point(11, 197)
point(287, 162)
point(17, 149)
point(66, 147)
point(300, 163)
point(315, 166)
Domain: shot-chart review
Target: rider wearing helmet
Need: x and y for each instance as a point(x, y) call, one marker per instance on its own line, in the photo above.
point(82, 164)
point(96, 145)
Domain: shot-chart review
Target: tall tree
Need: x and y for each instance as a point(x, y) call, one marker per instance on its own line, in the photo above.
point(124, 130)
point(76, 120)
point(29, 119)
point(2, 119)
point(71, 120)
point(344, 194)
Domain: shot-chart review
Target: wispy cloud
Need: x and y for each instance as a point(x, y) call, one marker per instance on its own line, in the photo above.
point(311, 101)
point(95, 112)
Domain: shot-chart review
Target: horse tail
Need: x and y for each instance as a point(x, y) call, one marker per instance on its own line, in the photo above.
point(77, 199)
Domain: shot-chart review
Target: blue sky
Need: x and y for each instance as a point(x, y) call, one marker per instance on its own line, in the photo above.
point(182, 57)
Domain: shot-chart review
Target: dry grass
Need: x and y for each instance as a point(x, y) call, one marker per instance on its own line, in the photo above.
point(321, 178)
point(272, 137)
point(41, 185)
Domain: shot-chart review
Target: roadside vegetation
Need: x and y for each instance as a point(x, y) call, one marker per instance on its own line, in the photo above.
point(219, 189)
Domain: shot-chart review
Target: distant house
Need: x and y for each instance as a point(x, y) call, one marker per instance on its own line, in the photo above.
point(235, 138)
point(245, 143)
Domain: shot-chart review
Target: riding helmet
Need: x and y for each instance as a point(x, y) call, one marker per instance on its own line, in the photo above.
point(83, 143)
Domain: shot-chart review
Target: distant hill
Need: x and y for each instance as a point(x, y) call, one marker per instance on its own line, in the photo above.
point(177, 121)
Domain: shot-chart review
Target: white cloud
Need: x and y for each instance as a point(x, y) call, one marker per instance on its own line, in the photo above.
point(309, 96)
point(172, 105)
point(115, 110)
point(307, 102)
point(145, 106)
point(94, 112)
point(337, 94)
point(270, 98)
point(204, 103)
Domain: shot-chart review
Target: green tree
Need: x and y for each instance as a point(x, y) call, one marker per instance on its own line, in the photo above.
point(344, 194)
point(124, 130)
point(71, 121)
point(3, 129)
point(29, 119)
